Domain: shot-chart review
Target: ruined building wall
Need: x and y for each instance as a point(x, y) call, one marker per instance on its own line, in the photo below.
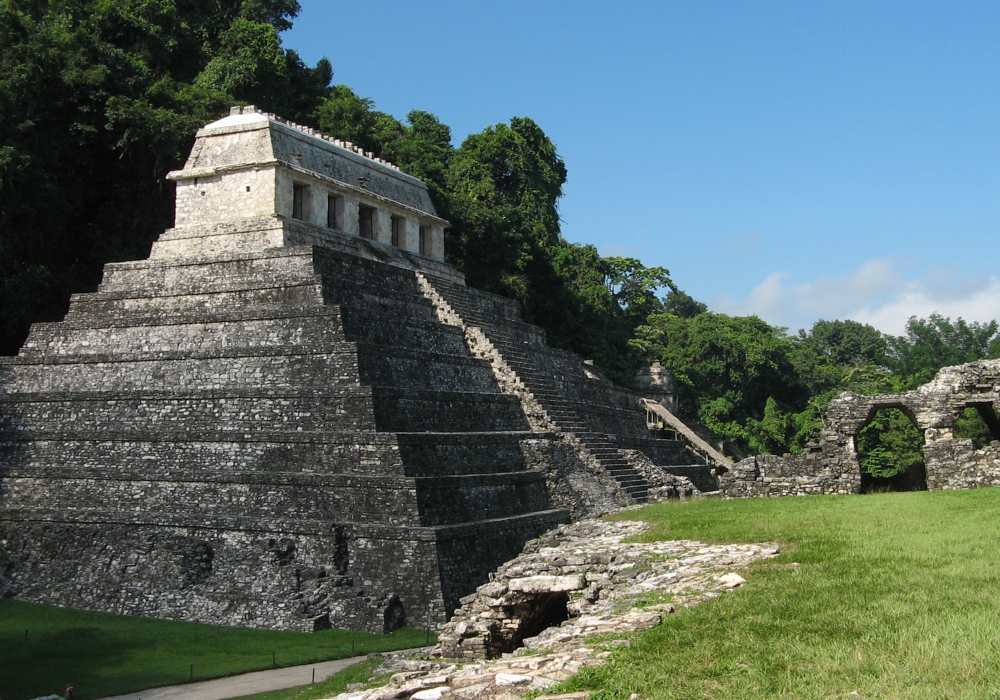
point(832, 466)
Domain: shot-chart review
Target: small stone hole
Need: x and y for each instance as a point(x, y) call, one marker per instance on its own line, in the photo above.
point(541, 612)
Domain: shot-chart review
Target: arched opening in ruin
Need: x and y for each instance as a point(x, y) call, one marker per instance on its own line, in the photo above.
point(532, 617)
point(891, 452)
point(977, 422)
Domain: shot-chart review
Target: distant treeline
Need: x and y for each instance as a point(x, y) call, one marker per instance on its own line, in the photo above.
point(100, 99)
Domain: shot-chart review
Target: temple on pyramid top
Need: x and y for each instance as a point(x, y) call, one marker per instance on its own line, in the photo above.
point(254, 181)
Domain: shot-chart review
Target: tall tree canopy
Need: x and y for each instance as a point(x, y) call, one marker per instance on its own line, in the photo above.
point(505, 183)
point(936, 342)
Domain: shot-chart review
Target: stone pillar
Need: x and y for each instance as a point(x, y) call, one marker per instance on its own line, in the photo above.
point(283, 193)
point(351, 215)
point(383, 226)
point(437, 242)
point(411, 238)
point(314, 208)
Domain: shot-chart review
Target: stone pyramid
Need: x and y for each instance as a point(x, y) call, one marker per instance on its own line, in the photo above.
point(295, 414)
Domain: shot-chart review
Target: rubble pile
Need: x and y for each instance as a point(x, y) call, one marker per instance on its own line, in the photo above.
point(533, 624)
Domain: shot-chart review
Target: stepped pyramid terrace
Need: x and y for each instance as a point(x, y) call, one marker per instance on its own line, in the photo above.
point(295, 415)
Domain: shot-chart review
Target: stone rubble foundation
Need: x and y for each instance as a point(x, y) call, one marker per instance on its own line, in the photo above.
point(602, 580)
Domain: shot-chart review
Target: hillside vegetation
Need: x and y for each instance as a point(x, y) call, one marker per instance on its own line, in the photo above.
point(100, 99)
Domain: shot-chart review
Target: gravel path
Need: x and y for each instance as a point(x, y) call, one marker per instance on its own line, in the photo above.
point(245, 684)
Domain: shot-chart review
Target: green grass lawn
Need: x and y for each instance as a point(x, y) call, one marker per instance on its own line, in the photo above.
point(897, 596)
point(102, 654)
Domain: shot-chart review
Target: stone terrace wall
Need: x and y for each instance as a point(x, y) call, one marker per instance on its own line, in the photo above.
point(798, 475)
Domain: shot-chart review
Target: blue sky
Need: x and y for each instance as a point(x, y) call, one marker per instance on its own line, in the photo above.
point(796, 160)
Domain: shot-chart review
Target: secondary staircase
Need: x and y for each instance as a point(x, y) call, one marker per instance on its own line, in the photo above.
point(695, 441)
point(507, 336)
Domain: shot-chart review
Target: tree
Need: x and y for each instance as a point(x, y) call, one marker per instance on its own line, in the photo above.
point(633, 286)
point(832, 350)
point(98, 101)
point(682, 304)
point(504, 184)
point(734, 374)
point(936, 342)
point(592, 305)
point(346, 116)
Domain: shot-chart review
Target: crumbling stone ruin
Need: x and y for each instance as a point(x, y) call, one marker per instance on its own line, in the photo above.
point(578, 576)
point(295, 414)
point(832, 466)
point(591, 585)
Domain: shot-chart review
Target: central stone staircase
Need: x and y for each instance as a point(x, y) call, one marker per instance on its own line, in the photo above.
point(538, 369)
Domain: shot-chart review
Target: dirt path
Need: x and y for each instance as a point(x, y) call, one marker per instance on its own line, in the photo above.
point(245, 684)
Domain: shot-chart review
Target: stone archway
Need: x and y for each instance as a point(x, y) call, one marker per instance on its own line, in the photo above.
point(832, 464)
point(889, 449)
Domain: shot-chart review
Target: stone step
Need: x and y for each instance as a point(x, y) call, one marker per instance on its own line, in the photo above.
point(102, 308)
point(277, 368)
point(77, 454)
point(335, 371)
point(208, 278)
point(238, 413)
point(185, 335)
point(560, 415)
point(621, 469)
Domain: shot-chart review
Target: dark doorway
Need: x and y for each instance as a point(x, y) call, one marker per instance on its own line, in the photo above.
point(539, 613)
point(366, 222)
point(394, 616)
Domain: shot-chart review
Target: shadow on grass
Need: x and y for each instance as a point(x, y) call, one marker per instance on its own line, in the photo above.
point(103, 654)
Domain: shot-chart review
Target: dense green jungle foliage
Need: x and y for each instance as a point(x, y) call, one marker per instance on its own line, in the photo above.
point(100, 99)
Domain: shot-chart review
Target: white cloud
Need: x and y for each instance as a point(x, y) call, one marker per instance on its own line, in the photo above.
point(614, 250)
point(876, 293)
